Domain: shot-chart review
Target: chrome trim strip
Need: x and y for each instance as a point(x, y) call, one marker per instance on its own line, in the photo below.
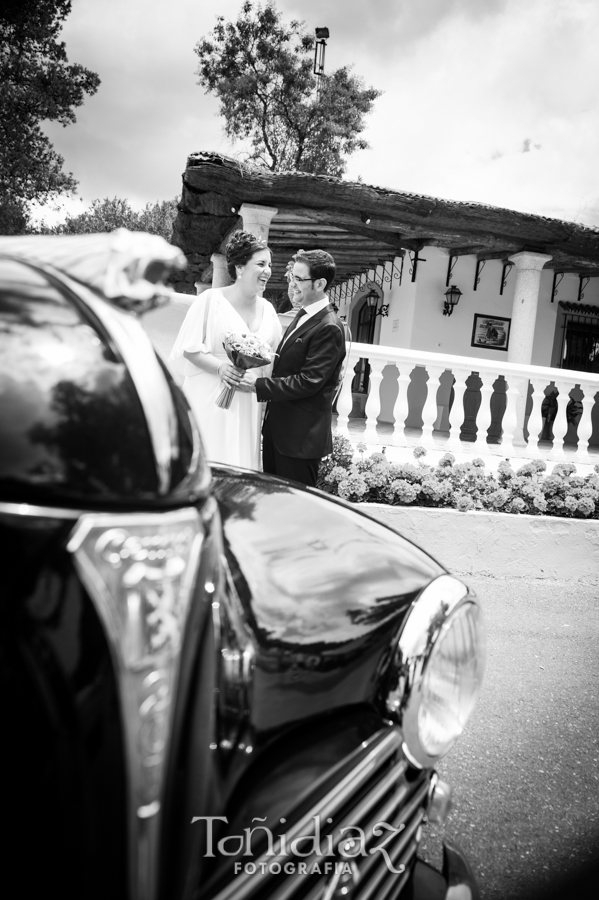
point(388, 743)
point(353, 819)
point(152, 387)
point(411, 816)
point(404, 847)
point(412, 813)
point(391, 883)
point(48, 512)
point(396, 882)
point(145, 650)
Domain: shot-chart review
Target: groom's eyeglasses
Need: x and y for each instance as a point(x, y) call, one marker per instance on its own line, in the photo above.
point(297, 280)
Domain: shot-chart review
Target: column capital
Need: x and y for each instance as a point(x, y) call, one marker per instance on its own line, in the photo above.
point(256, 219)
point(528, 259)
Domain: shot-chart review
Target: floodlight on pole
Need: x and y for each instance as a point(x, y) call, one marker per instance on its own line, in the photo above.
point(319, 52)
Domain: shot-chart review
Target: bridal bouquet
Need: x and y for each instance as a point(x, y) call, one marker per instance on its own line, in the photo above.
point(246, 352)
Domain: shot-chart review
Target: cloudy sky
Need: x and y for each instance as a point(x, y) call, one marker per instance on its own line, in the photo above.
point(486, 100)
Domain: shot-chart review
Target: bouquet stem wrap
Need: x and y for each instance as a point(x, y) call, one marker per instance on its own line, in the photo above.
point(246, 352)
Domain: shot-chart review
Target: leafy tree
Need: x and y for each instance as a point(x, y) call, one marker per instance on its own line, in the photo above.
point(37, 84)
point(106, 215)
point(261, 71)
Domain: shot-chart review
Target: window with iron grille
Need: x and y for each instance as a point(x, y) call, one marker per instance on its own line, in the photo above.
point(580, 343)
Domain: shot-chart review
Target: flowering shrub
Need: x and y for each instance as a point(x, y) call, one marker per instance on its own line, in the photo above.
point(462, 486)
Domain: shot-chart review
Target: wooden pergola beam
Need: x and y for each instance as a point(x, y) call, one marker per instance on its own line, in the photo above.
point(355, 218)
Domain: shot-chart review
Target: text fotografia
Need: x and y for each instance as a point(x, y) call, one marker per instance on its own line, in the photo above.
point(302, 868)
point(284, 850)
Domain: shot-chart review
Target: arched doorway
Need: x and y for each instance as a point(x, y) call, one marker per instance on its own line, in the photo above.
point(363, 324)
point(364, 335)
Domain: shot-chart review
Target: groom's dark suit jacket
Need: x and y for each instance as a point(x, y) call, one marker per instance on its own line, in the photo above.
point(302, 387)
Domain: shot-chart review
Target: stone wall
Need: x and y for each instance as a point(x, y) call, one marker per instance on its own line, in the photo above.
point(500, 544)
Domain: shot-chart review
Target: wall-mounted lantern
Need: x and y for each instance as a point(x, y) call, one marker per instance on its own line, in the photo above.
point(452, 298)
point(372, 299)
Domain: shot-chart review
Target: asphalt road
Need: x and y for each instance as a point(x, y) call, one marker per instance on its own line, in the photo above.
point(525, 773)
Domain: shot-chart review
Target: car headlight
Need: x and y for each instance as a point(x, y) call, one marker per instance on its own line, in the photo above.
point(439, 665)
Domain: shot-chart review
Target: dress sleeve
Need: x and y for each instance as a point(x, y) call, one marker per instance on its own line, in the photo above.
point(191, 332)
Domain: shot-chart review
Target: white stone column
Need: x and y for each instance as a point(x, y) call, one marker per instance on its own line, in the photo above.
point(257, 219)
point(220, 276)
point(404, 307)
point(524, 308)
point(524, 318)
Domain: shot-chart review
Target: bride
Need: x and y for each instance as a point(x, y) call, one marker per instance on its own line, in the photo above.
point(231, 435)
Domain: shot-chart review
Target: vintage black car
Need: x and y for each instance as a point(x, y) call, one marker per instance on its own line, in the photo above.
point(215, 684)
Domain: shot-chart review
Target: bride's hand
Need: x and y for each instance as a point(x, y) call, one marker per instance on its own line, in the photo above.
point(230, 374)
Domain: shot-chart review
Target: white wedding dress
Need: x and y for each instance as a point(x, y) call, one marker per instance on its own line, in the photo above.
point(231, 435)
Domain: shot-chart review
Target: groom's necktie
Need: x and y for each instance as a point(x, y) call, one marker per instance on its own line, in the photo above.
point(294, 323)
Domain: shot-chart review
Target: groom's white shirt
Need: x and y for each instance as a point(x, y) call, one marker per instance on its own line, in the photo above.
point(309, 311)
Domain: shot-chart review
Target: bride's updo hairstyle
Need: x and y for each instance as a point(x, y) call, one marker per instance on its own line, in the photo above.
point(240, 248)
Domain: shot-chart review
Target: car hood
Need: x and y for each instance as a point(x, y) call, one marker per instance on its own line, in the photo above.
point(325, 590)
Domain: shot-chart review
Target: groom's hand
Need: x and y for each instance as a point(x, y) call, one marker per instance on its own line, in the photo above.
point(248, 382)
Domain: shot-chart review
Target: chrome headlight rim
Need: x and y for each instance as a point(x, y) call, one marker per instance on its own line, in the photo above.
point(436, 611)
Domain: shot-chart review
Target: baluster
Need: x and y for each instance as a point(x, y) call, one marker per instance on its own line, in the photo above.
point(345, 401)
point(535, 419)
point(560, 423)
point(402, 407)
point(516, 389)
point(585, 425)
point(483, 416)
point(373, 403)
point(456, 413)
point(429, 411)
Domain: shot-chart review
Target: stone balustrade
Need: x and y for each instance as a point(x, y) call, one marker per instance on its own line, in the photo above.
point(470, 406)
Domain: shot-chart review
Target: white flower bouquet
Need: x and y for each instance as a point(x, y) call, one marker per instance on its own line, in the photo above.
point(245, 351)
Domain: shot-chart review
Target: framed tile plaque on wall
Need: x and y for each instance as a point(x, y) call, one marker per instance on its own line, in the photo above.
point(492, 332)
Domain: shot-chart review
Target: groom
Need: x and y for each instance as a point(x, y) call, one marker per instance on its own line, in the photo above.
point(300, 393)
